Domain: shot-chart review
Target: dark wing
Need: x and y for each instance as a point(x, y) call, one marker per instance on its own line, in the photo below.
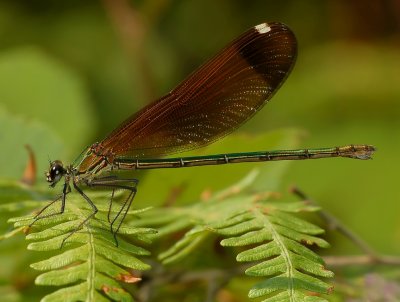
point(214, 100)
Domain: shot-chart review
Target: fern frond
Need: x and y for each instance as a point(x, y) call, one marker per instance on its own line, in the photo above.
point(89, 267)
point(15, 199)
point(291, 271)
point(264, 230)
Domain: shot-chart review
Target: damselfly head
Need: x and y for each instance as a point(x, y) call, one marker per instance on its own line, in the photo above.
point(55, 173)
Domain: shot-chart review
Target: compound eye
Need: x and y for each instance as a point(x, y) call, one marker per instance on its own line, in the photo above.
point(55, 173)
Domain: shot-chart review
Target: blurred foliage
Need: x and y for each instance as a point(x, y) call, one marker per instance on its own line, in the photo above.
point(91, 266)
point(71, 71)
point(261, 230)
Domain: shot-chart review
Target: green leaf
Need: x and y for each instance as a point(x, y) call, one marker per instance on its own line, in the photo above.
point(294, 223)
point(66, 276)
point(89, 267)
point(183, 247)
point(291, 271)
point(64, 259)
point(271, 237)
point(277, 240)
point(17, 132)
point(247, 238)
point(260, 252)
point(73, 293)
point(46, 82)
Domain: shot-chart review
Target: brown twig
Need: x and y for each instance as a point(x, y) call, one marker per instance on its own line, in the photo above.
point(334, 224)
point(340, 261)
point(371, 257)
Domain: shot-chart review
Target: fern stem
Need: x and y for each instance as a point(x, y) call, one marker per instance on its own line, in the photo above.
point(361, 260)
point(92, 267)
point(284, 252)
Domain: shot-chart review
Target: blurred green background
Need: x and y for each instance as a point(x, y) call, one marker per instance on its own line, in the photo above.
point(71, 71)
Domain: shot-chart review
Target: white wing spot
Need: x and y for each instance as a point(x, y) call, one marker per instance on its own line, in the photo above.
point(262, 28)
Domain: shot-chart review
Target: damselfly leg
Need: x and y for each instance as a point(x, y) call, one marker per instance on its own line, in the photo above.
point(114, 183)
point(92, 205)
point(39, 215)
